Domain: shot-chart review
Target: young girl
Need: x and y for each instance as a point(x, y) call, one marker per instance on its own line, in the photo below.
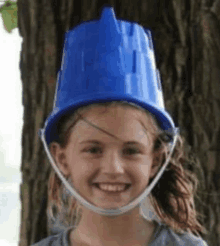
point(114, 146)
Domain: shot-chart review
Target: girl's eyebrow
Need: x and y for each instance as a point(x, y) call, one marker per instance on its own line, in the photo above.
point(125, 143)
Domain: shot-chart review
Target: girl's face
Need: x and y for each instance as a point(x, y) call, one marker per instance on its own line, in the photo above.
point(94, 157)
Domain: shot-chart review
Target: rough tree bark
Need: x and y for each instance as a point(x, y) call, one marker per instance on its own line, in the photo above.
point(187, 43)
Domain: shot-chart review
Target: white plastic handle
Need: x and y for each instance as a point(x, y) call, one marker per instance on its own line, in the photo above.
point(110, 212)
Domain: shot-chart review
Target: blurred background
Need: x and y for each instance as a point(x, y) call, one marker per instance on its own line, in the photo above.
point(187, 38)
point(11, 121)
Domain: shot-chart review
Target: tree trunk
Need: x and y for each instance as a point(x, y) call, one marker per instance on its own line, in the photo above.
point(187, 43)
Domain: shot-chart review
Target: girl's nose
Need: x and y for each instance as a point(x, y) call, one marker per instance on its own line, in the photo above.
point(112, 164)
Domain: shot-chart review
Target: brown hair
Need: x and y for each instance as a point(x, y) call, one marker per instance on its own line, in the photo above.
point(172, 197)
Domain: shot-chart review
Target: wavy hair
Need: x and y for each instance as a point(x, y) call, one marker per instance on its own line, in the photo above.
point(172, 197)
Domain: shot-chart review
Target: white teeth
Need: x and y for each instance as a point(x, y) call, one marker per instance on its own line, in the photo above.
point(112, 187)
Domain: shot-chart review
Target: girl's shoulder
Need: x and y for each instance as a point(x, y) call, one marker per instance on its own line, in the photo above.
point(165, 236)
point(60, 239)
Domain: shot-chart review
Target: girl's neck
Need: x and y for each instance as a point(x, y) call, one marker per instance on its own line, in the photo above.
point(125, 230)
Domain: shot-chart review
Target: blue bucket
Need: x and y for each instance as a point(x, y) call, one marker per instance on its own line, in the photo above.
point(108, 60)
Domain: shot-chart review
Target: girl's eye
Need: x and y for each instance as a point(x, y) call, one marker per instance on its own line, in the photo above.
point(93, 150)
point(132, 151)
point(129, 151)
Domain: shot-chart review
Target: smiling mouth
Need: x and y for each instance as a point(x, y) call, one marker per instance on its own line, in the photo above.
point(127, 186)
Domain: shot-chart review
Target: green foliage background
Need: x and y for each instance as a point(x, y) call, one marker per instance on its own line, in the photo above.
point(9, 14)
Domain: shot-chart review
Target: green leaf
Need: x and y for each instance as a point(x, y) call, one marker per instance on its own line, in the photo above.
point(9, 14)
